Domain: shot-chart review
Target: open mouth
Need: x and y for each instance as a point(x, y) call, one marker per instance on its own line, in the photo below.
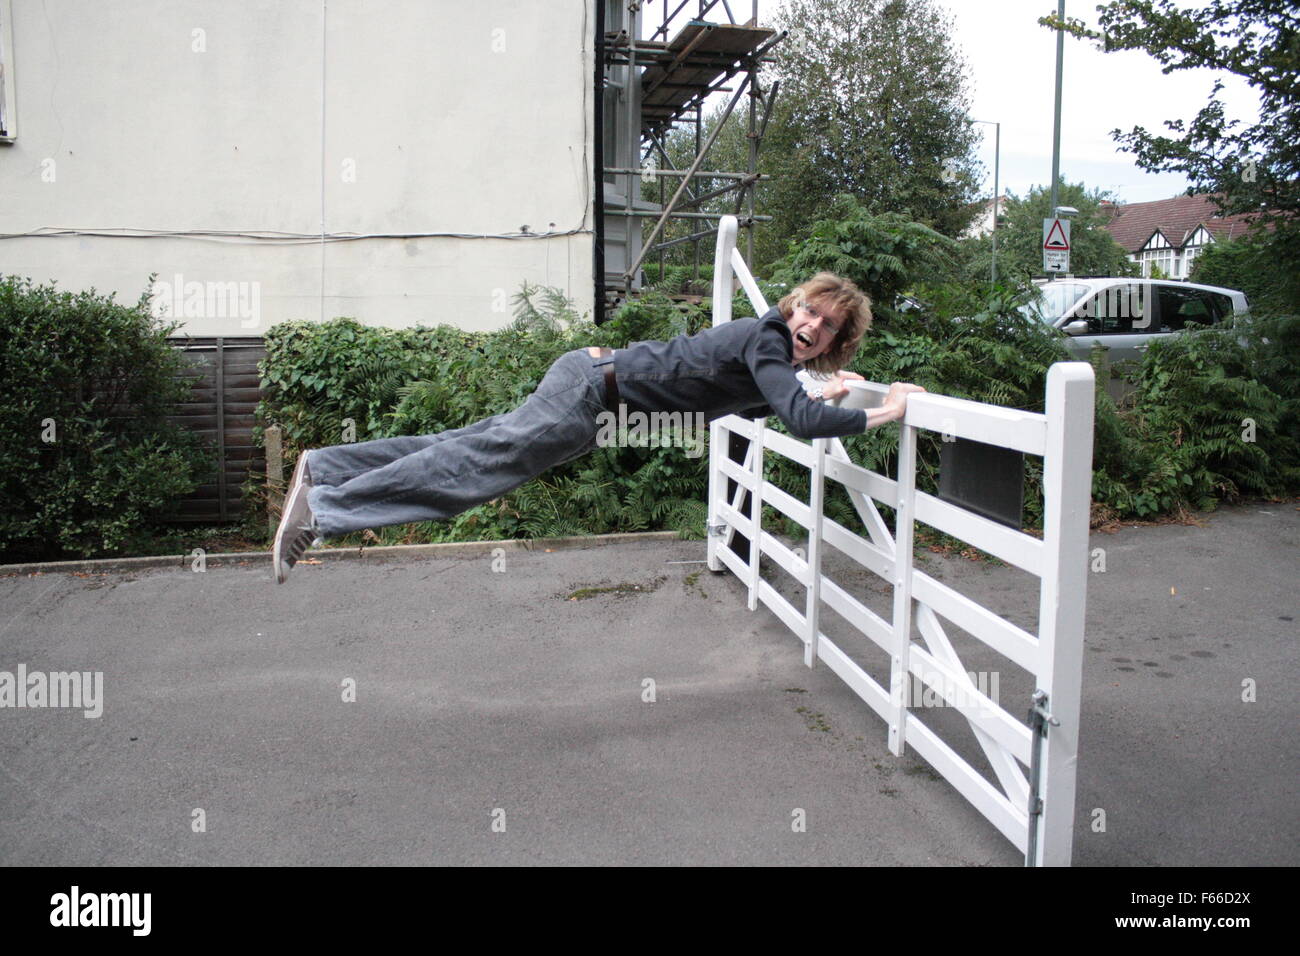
point(804, 339)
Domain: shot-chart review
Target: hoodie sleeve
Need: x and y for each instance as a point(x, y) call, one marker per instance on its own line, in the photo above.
point(770, 357)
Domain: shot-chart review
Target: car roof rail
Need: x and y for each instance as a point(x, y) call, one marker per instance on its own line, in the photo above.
point(1075, 275)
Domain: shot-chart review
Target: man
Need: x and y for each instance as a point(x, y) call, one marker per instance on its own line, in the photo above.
point(746, 367)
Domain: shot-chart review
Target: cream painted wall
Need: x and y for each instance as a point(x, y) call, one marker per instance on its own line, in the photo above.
point(369, 116)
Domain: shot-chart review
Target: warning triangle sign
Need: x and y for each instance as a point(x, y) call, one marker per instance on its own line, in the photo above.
point(1056, 240)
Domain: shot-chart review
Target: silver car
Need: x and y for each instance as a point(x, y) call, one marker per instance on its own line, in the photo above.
point(1126, 315)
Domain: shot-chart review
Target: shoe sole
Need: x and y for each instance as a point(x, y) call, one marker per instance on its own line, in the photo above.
point(285, 557)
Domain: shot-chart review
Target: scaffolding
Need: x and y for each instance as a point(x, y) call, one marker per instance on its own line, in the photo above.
point(650, 86)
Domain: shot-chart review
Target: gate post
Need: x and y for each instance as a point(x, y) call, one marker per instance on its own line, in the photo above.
point(1067, 493)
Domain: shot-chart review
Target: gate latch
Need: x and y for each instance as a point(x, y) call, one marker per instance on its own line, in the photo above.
point(1039, 715)
point(1040, 718)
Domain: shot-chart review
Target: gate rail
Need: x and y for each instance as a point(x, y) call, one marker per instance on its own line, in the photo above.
point(1034, 812)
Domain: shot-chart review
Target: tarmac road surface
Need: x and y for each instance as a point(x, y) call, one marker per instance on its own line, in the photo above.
point(435, 710)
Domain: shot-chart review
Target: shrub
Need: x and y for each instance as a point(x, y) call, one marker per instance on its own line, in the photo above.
point(1264, 265)
point(1215, 416)
point(87, 457)
point(883, 254)
point(680, 279)
point(423, 381)
point(1178, 447)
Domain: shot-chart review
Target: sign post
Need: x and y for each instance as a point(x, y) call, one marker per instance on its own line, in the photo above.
point(1056, 245)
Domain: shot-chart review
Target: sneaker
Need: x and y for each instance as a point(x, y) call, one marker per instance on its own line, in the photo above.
point(297, 531)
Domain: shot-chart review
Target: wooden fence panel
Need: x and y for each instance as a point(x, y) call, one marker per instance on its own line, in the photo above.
point(225, 387)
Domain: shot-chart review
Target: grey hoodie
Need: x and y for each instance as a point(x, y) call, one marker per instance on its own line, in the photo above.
point(742, 367)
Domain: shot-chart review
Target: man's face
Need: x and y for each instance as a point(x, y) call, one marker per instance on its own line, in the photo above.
point(813, 325)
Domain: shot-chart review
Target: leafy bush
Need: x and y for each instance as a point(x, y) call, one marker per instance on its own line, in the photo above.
point(1177, 446)
point(88, 460)
point(423, 381)
point(883, 254)
point(680, 279)
point(1215, 415)
point(1264, 265)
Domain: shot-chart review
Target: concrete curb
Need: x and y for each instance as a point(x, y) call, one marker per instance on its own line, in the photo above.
point(235, 558)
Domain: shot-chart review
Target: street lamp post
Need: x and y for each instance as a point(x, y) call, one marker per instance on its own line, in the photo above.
point(1056, 122)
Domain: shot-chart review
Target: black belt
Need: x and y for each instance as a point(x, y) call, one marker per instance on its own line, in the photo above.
point(606, 358)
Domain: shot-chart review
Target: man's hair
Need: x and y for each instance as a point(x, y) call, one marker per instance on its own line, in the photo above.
point(846, 300)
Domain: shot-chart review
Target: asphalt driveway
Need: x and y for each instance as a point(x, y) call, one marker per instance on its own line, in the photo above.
point(613, 705)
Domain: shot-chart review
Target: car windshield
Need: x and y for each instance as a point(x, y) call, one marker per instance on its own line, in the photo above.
point(1053, 301)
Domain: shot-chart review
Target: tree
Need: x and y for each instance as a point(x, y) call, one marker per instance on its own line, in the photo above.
point(873, 101)
point(1020, 237)
point(883, 254)
point(1249, 168)
point(1250, 264)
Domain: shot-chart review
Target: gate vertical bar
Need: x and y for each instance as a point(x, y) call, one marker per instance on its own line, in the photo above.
point(812, 612)
point(755, 507)
point(899, 672)
point(717, 484)
point(1067, 486)
point(718, 440)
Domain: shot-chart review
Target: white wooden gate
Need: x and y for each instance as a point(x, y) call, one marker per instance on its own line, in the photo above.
point(1032, 803)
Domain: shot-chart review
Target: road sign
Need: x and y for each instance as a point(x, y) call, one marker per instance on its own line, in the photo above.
point(1056, 245)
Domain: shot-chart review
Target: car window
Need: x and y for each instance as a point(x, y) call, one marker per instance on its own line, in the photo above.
point(1183, 307)
point(1218, 305)
point(1117, 310)
point(1053, 301)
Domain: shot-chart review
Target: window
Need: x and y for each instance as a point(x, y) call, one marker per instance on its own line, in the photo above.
point(1158, 259)
point(1118, 310)
point(1053, 301)
point(1186, 308)
point(8, 117)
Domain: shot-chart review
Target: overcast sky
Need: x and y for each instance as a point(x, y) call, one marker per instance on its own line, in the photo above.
point(1011, 66)
point(1011, 71)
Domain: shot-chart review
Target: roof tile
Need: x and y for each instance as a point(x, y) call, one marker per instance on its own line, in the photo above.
point(1176, 219)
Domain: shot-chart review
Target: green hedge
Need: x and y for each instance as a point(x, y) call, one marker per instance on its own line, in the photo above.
point(1175, 446)
point(1216, 415)
point(426, 380)
point(88, 462)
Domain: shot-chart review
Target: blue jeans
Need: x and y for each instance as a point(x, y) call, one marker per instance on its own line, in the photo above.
point(433, 477)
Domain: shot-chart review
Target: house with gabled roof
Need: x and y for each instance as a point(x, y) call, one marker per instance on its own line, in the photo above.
point(982, 220)
point(1171, 233)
